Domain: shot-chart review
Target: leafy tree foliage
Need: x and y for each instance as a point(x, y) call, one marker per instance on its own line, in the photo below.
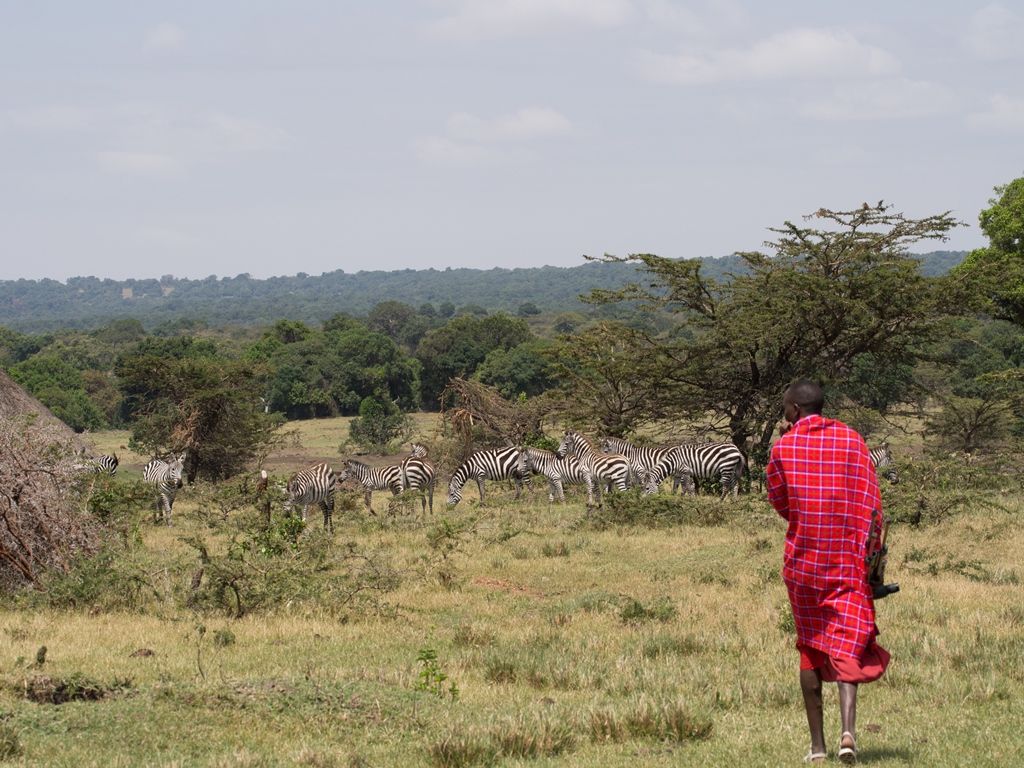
point(810, 308)
point(59, 386)
point(604, 386)
point(457, 348)
point(379, 425)
point(330, 372)
point(996, 273)
point(525, 369)
point(183, 396)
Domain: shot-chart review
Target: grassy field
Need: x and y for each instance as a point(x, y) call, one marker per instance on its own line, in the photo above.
point(527, 634)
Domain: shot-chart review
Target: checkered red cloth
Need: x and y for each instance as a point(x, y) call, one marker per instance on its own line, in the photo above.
point(821, 479)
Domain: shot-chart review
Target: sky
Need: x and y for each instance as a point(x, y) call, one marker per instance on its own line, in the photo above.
point(141, 139)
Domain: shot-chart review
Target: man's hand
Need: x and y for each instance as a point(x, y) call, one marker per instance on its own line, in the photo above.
point(784, 427)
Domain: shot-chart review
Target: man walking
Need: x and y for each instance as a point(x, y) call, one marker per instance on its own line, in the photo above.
point(821, 480)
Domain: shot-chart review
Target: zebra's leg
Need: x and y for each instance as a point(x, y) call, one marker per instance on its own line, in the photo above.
point(430, 495)
point(328, 508)
point(367, 494)
point(480, 487)
point(168, 504)
point(518, 483)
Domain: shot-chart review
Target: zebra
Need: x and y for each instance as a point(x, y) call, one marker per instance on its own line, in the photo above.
point(597, 467)
point(559, 472)
point(313, 486)
point(418, 474)
point(882, 459)
point(493, 464)
point(372, 479)
point(648, 457)
point(166, 475)
point(98, 464)
point(706, 461)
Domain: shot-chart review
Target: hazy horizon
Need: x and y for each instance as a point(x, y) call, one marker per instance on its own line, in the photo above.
point(250, 137)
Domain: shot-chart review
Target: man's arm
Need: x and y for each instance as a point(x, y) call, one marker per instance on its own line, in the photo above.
point(775, 479)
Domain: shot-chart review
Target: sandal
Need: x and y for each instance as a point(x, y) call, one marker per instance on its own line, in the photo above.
point(816, 758)
point(847, 749)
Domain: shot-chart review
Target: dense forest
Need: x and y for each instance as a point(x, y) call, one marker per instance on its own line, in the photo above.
point(90, 302)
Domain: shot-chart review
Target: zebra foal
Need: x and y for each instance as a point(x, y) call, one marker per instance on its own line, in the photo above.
point(372, 479)
point(559, 472)
point(166, 476)
point(597, 467)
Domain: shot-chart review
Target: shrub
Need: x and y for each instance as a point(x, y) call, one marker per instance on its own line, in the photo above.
point(44, 527)
point(379, 425)
point(657, 511)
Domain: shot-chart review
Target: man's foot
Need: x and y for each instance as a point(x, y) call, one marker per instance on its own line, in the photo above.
point(847, 749)
point(816, 758)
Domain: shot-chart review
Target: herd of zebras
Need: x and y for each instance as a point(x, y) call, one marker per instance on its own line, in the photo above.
point(616, 463)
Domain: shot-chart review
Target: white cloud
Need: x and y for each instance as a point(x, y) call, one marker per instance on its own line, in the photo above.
point(438, 150)
point(486, 19)
point(712, 16)
point(526, 124)
point(57, 118)
point(146, 164)
point(165, 36)
point(995, 33)
point(474, 141)
point(881, 100)
point(236, 134)
point(1004, 115)
point(798, 53)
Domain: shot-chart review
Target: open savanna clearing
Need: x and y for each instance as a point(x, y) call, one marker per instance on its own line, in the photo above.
point(516, 633)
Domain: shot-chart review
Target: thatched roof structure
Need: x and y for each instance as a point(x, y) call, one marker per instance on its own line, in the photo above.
point(15, 402)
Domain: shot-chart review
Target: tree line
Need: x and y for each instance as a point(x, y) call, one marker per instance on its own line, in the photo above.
point(91, 302)
point(836, 296)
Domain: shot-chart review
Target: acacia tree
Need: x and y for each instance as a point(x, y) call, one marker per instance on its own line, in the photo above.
point(810, 308)
point(198, 403)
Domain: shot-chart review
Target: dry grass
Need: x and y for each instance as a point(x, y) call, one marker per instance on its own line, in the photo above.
point(593, 646)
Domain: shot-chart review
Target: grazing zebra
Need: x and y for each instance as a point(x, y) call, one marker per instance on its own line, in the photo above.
point(372, 479)
point(706, 461)
point(106, 463)
point(882, 460)
point(559, 472)
point(598, 468)
point(495, 464)
point(313, 486)
point(166, 475)
point(648, 457)
point(418, 474)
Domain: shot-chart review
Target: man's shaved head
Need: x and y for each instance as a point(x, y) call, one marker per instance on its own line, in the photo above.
point(806, 394)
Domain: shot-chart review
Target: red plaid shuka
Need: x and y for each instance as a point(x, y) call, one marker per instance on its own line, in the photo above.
point(821, 479)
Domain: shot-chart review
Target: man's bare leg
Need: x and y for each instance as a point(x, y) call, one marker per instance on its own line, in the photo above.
point(848, 713)
point(810, 684)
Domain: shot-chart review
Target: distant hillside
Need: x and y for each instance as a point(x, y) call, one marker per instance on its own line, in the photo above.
point(87, 302)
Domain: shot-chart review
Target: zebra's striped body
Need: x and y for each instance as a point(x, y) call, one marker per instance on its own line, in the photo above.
point(372, 479)
point(597, 468)
point(647, 457)
point(882, 459)
point(166, 476)
point(313, 486)
point(559, 472)
point(99, 464)
point(706, 461)
point(496, 464)
point(418, 474)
